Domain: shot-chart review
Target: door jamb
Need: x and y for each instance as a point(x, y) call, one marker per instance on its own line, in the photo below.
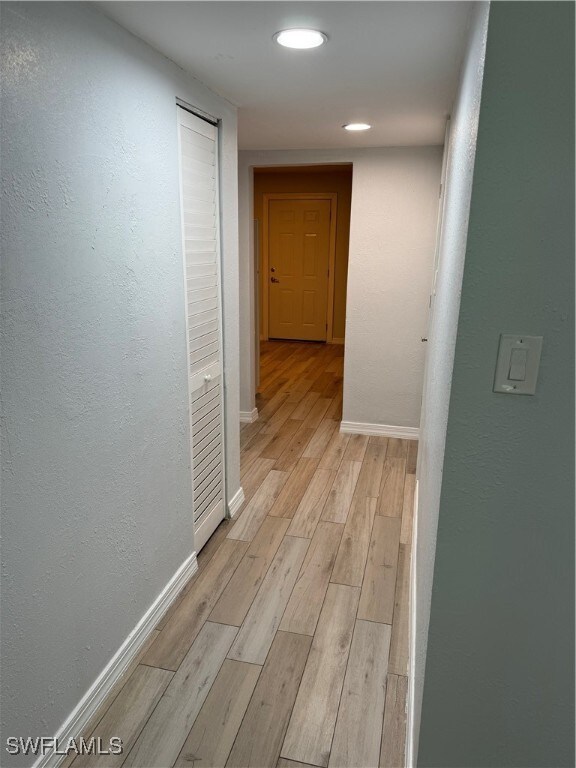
point(333, 197)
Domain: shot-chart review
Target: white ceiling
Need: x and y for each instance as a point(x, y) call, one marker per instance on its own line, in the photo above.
point(392, 64)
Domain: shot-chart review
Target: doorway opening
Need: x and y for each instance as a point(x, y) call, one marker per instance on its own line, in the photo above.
point(301, 235)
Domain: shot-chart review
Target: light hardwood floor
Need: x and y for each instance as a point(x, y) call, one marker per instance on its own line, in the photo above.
point(289, 647)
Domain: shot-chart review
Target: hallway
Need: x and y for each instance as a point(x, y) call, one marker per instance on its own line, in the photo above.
point(395, 182)
point(290, 645)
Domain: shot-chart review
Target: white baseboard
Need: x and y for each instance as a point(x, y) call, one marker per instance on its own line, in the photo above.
point(247, 417)
point(84, 711)
point(235, 503)
point(385, 430)
point(409, 747)
point(336, 341)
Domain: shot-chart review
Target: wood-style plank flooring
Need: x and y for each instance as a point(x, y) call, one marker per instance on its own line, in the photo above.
point(289, 647)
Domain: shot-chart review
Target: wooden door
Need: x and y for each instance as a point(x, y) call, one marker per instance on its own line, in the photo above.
point(200, 235)
point(298, 267)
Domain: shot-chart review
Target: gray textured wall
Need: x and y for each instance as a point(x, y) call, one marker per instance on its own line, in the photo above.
point(96, 481)
point(499, 685)
point(460, 154)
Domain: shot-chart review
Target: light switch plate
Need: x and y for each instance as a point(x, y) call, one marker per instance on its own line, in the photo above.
point(517, 364)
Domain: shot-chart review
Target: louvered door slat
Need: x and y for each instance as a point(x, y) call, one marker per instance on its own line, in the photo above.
point(208, 316)
point(199, 294)
point(204, 455)
point(209, 484)
point(207, 397)
point(208, 470)
point(194, 153)
point(197, 220)
point(199, 307)
point(204, 354)
point(205, 328)
point(196, 206)
point(207, 433)
point(202, 281)
point(200, 226)
point(210, 503)
point(202, 341)
point(211, 455)
point(199, 140)
point(195, 246)
point(203, 421)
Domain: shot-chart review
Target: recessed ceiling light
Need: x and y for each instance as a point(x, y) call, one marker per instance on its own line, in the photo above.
point(357, 127)
point(300, 38)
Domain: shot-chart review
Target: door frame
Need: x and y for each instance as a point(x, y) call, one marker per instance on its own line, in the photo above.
point(266, 198)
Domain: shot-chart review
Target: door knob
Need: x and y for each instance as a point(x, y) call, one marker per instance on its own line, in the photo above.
point(208, 377)
point(272, 269)
point(274, 280)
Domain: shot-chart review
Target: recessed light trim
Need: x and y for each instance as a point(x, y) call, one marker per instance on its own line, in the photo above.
point(357, 127)
point(300, 38)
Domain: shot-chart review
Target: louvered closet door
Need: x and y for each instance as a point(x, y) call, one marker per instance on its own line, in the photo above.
point(200, 225)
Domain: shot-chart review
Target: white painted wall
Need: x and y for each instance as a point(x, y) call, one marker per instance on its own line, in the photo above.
point(395, 195)
point(392, 237)
point(441, 346)
point(96, 502)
